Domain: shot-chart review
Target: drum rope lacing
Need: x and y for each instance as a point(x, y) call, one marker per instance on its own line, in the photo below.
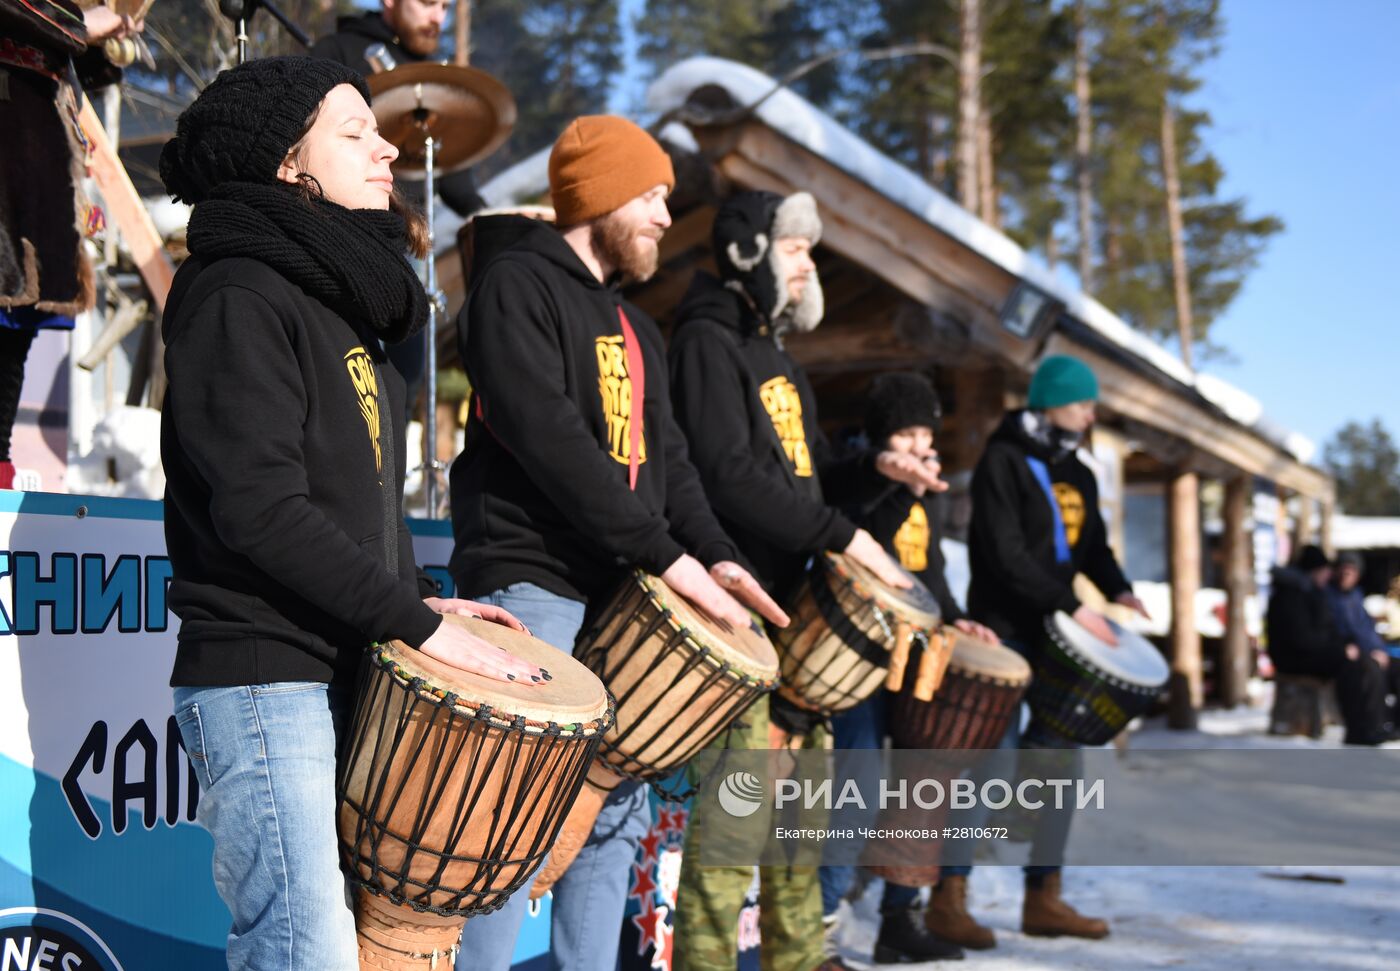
point(519, 833)
point(737, 690)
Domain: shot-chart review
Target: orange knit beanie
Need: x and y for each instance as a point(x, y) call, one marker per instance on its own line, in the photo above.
point(601, 163)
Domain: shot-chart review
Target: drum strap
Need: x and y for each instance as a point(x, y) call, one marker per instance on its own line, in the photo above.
point(636, 371)
point(1042, 475)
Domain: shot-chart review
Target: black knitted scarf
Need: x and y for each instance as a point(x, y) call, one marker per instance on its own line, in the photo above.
point(351, 260)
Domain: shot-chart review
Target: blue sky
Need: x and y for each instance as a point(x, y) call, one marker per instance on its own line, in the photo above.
point(1306, 101)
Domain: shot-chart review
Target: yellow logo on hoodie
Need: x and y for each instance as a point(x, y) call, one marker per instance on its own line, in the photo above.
point(911, 540)
point(784, 406)
point(362, 376)
point(615, 390)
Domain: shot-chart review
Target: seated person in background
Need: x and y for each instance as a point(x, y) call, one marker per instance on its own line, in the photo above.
point(1358, 630)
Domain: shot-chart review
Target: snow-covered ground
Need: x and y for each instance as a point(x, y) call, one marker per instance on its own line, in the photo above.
point(1206, 918)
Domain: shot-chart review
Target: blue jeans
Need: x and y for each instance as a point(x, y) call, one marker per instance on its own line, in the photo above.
point(1051, 828)
point(588, 900)
point(265, 757)
point(861, 729)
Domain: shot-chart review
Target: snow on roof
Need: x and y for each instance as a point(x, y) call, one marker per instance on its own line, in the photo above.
point(1366, 532)
point(789, 113)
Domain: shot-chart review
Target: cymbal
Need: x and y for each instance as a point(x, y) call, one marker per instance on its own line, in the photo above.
point(468, 112)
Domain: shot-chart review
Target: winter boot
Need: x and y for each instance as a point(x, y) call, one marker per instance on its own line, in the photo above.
point(903, 939)
point(1044, 914)
point(947, 916)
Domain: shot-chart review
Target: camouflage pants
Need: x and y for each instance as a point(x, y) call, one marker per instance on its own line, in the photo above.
point(709, 898)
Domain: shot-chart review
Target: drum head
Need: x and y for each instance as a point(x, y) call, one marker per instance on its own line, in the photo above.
point(915, 605)
point(574, 695)
point(994, 662)
point(747, 650)
point(1134, 661)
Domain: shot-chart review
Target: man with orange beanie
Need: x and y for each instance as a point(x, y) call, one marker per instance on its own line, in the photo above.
point(575, 471)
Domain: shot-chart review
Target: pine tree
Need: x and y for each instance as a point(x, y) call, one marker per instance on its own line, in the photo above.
point(1365, 461)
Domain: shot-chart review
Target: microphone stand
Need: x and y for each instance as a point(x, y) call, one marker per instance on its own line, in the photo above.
point(241, 11)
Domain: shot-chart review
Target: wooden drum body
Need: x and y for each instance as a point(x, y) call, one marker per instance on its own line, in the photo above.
point(679, 679)
point(454, 787)
point(850, 633)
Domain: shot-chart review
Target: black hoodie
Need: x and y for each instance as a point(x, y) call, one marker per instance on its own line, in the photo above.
point(274, 509)
point(1016, 580)
point(540, 494)
point(910, 528)
point(352, 37)
point(734, 387)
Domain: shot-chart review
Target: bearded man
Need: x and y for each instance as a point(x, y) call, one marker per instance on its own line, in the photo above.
point(575, 471)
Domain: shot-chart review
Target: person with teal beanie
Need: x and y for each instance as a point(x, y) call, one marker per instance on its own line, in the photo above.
point(1035, 525)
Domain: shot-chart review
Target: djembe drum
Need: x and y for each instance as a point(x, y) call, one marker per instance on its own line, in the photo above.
point(1086, 691)
point(454, 787)
point(679, 678)
point(850, 632)
point(980, 694)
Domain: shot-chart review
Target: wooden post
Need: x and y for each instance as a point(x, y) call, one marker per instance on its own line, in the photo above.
point(1234, 656)
point(1302, 524)
point(462, 29)
point(1185, 556)
point(1327, 508)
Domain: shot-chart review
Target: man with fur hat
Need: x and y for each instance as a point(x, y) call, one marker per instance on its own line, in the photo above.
point(574, 470)
point(1035, 525)
point(750, 416)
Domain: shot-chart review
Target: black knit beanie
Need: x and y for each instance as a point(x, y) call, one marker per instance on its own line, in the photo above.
point(900, 400)
point(242, 125)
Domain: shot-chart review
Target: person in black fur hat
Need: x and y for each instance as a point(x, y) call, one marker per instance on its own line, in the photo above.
point(282, 438)
point(750, 416)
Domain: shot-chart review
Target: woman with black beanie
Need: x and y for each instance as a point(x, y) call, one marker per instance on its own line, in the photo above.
point(282, 439)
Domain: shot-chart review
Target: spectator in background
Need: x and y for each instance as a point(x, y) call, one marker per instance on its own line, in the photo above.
point(1364, 646)
point(1305, 639)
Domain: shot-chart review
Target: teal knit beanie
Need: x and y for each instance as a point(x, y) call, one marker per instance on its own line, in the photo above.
point(1062, 380)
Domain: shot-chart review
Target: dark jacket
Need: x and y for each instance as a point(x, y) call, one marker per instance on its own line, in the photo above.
point(540, 494)
point(275, 516)
point(352, 37)
point(1354, 625)
point(1303, 636)
point(751, 419)
point(910, 528)
point(1016, 579)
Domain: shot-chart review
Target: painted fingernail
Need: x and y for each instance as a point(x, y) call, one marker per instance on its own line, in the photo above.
point(544, 673)
point(536, 678)
point(510, 677)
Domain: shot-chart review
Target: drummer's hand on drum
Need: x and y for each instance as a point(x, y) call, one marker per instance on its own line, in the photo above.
point(975, 630)
point(461, 649)
point(689, 578)
point(871, 555)
point(470, 608)
point(741, 584)
point(1127, 599)
point(918, 472)
point(1095, 623)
